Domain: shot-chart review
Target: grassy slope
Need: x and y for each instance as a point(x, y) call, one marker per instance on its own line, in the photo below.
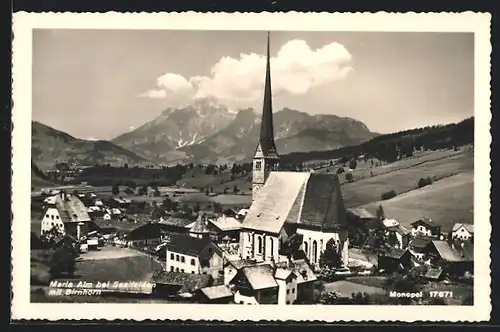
point(446, 202)
point(403, 176)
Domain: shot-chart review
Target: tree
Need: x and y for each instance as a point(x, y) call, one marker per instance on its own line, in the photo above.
point(63, 262)
point(217, 207)
point(235, 189)
point(49, 237)
point(330, 257)
point(196, 207)
point(353, 163)
point(380, 213)
point(116, 189)
point(129, 191)
point(157, 192)
point(207, 192)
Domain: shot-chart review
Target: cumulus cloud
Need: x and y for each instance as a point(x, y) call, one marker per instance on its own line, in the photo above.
point(296, 69)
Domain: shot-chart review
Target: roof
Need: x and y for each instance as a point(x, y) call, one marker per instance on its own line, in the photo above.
point(238, 264)
point(468, 227)
point(361, 213)
point(226, 223)
point(433, 273)
point(420, 242)
point(260, 276)
point(188, 245)
point(176, 221)
point(217, 292)
point(147, 231)
point(70, 208)
point(399, 229)
point(446, 251)
point(301, 268)
point(308, 199)
point(187, 281)
point(282, 273)
point(425, 221)
point(243, 212)
point(394, 253)
point(200, 225)
point(390, 222)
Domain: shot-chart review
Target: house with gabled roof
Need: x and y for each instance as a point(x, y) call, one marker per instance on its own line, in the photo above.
point(394, 259)
point(455, 258)
point(426, 227)
point(66, 213)
point(464, 232)
point(286, 203)
point(256, 285)
point(188, 254)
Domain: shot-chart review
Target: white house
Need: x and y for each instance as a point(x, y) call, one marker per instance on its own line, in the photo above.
point(287, 286)
point(462, 232)
point(64, 212)
point(425, 227)
point(193, 255)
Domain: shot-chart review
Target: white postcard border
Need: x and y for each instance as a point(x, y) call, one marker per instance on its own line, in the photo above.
point(24, 23)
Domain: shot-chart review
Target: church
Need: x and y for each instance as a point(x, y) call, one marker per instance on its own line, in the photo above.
point(286, 204)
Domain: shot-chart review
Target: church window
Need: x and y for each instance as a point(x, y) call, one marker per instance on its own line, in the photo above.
point(306, 249)
point(315, 251)
point(259, 244)
point(258, 165)
point(272, 246)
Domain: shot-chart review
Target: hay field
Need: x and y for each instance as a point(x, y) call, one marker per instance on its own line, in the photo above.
point(403, 176)
point(446, 202)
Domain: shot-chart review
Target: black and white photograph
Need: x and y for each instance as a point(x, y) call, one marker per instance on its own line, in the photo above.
point(250, 167)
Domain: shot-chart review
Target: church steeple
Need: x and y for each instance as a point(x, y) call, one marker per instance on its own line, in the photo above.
point(266, 138)
point(266, 157)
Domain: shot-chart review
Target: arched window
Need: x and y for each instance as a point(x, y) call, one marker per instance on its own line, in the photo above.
point(259, 244)
point(315, 251)
point(306, 248)
point(271, 241)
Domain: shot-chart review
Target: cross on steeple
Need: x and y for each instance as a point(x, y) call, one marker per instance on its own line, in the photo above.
point(266, 157)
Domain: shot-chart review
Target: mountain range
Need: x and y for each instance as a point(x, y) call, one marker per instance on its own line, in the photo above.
point(211, 133)
point(205, 132)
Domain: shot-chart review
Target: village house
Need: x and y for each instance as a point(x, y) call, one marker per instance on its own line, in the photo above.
point(464, 232)
point(360, 216)
point(255, 285)
point(456, 258)
point(146, 235)
point(394, 260)
point(67, 214)
point(220, 294)
point(285, 203)
point(231, 268)
point(425, 227)
point(287, 285)
point(188, 254)
point(305, 279)
point(398, 233)
point(226, 227)
point(417, 246)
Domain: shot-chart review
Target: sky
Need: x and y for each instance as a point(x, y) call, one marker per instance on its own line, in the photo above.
point(98, 84)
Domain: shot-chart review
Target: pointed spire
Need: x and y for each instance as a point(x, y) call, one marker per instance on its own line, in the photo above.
point(266, 130)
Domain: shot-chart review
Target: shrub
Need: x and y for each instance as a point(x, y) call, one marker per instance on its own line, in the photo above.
point(340, 170)
point(424, 182)
point(388, 195)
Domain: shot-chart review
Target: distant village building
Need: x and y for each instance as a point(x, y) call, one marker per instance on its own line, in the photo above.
point(231, 268)
point(456, 258)
point(188, 254)
point(462, 232)
point(285, 203)
point(426, 227)
point(65, 212)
